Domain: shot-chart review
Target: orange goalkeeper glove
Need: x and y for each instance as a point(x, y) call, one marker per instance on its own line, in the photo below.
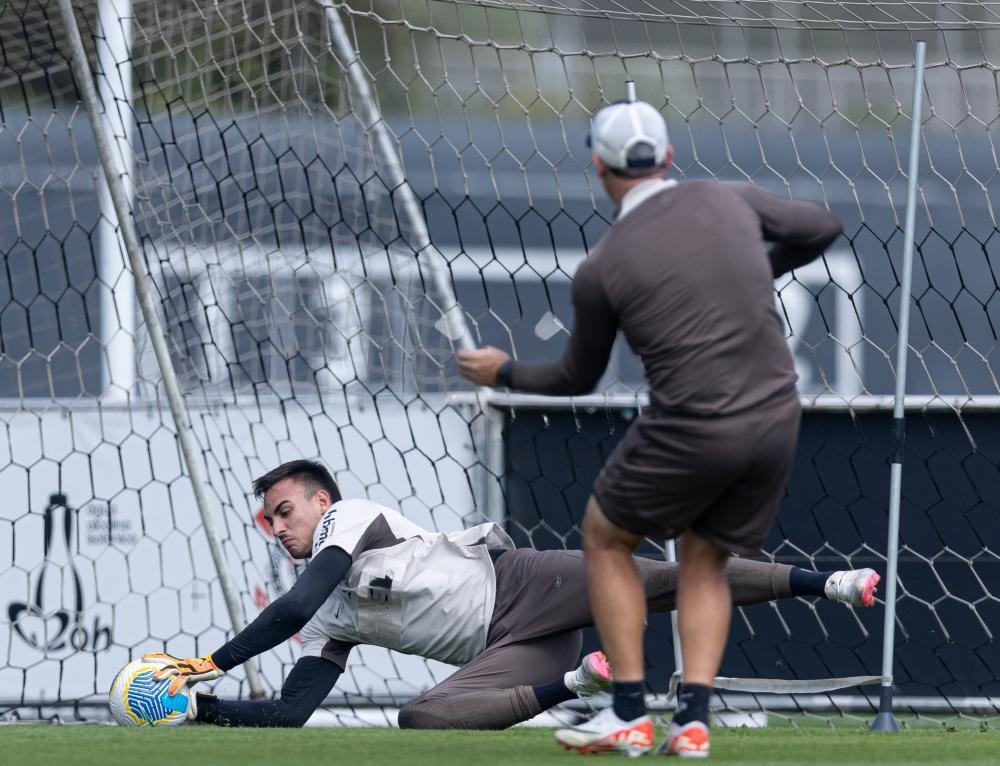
point(189, 670)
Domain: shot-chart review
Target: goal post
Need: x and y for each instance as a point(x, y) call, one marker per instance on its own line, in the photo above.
point(329, 198)
point(118, 185)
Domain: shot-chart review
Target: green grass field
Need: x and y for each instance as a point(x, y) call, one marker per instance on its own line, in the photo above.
point(53, 745)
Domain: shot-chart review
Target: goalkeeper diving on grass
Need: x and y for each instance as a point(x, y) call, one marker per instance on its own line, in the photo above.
point(510, 618)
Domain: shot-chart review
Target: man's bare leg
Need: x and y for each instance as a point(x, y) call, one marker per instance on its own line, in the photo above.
point(618, 604)
point(617, 596)
point(704, 606)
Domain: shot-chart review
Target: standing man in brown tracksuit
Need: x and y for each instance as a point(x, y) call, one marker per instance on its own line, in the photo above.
point(685, 272)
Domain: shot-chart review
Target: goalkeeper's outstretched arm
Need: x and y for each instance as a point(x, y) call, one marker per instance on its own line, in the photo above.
point(287, 615)
point(305, 688)
point(281, 620)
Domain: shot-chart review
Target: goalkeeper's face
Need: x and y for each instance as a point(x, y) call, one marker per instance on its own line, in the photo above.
point(294, 509)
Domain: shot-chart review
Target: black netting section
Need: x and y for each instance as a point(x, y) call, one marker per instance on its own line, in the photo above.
point(834, 516)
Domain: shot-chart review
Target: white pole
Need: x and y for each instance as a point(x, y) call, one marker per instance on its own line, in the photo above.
point(885, 720)
point(114, 85)
point(671, 555)
point(126, 226)
point(452, 323)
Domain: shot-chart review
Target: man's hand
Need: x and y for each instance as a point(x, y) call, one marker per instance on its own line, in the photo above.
point(481, 365)
point(189, 670)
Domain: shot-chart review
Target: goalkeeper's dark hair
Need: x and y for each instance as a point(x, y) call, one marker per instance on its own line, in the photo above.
point(310, 473)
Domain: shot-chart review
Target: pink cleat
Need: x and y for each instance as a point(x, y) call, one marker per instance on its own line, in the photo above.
point(853, 586)
point(592, 677)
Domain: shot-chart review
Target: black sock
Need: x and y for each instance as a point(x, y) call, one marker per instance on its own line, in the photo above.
point(805, 582)
point(692, 704)
point(630, 702)
point(552, 693)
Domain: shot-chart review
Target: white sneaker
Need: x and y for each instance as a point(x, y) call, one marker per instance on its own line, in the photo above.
point(687, 741)
point(592, 677)
point(853, 586)
point(606, 732)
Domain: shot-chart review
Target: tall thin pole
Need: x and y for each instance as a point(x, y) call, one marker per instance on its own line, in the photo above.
point(670, 552)
point(456, 327)
point(885, 720)
point(126, 226)
point(114, 56)
point(452, 323)
point(670, 548)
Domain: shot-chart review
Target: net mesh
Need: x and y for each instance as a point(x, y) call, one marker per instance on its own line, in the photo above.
point(304, 244)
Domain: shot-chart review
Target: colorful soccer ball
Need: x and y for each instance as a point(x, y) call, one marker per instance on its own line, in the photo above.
point(138, 699)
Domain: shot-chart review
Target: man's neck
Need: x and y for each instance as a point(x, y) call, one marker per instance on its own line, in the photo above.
point(639, 192)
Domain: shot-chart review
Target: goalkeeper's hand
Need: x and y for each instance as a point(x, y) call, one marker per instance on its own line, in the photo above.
point(189, 670)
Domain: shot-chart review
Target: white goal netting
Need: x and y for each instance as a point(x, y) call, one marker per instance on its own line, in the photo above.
point(330, 198)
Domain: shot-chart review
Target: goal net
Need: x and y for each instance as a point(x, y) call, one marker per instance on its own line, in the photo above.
point(329, 198)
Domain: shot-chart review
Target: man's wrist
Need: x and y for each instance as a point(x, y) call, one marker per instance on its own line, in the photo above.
point(505, 373)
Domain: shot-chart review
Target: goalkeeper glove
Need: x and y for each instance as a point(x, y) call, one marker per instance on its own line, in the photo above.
point(189, 670)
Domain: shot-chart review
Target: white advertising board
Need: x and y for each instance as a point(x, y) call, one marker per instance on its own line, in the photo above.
point(103, 555)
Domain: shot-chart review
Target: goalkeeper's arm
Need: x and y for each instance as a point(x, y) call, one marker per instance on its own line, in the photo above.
point(304, 690)
point(281, 620)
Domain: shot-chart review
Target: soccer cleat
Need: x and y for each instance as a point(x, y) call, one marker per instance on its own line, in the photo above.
point(853, 586)
point(607, 733)
point(592, 677)
point(687, 741)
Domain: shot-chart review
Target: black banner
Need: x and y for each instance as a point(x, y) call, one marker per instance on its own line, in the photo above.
point(834, 516)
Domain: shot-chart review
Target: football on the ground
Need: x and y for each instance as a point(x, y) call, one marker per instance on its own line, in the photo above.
point(138, 699)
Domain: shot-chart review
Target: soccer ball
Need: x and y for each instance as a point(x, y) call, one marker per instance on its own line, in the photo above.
point(138, 699)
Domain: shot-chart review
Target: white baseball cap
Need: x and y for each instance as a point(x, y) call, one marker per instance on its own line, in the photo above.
point(630, 137)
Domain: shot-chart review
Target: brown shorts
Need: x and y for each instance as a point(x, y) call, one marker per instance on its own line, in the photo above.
point(723, 478)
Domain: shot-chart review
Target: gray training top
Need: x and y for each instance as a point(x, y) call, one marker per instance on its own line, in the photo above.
point(688, 277)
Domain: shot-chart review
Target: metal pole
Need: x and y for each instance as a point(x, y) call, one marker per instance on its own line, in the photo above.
point(452, 323)
point(885, 720)
point(670, 549)
point(371, 119)
point(671, 555)
point(114, 56)
point(122, 209)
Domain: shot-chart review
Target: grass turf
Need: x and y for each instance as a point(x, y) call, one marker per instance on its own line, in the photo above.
point(54, 745)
